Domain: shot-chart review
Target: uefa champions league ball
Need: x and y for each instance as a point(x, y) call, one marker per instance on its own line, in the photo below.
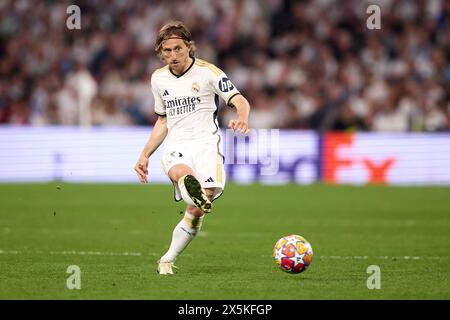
point(293, 254)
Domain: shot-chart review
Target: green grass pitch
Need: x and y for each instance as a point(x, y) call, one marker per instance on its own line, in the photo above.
point(115, 233)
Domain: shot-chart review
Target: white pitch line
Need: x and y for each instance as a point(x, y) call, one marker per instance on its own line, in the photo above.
point(385, 257)
point(10, 252)
point(380, 257)
point(139, 254)
point(73, 252)
point(96, 253)
point(85, 253)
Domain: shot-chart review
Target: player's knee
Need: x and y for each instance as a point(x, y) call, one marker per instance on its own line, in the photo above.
point(196, 212)
point(177, 171)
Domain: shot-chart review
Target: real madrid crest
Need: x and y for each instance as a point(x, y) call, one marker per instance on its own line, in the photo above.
point(195, 87)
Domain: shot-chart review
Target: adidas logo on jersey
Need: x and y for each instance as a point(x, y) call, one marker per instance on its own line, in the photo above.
point(166, 93)
point(209, 180)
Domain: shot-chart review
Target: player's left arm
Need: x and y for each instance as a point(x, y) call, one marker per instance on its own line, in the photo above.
point(243, 110)
point(223, 87)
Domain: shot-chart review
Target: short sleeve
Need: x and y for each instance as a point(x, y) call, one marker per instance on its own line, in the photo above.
point(160, 109)
point(223, 86)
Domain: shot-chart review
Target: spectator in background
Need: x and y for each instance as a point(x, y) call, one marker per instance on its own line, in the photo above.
point(348, 120)
point(83, 89)
point(105, 114)
point(309, 64)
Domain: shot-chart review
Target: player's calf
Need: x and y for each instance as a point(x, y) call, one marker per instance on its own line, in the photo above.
point(184, 232)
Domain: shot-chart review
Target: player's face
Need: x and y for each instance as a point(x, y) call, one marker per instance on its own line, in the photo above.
point(176, 55)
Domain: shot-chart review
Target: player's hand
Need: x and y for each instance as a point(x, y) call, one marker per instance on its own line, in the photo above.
point(239, 125)
point(141, 169)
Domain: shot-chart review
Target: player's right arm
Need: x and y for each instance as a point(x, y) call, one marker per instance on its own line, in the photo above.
point(157, 136)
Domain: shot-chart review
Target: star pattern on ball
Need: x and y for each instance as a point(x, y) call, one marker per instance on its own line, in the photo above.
point(293, 254)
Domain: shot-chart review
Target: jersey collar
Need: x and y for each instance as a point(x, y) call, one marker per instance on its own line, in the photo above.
point(180, 75)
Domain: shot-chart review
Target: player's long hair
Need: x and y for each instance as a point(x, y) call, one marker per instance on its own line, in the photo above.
point(175, 29)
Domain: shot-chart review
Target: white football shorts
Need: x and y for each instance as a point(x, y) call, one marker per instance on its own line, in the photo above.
point(205, 161)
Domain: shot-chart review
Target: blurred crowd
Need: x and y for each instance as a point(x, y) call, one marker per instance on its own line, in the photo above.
point(301, 64)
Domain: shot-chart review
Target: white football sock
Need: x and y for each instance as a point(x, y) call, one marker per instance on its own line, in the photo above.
point(182, 235)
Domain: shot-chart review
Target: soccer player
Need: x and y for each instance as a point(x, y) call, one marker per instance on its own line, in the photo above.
point(186, 93)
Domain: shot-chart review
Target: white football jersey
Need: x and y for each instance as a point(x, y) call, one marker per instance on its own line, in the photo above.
point(190, 101)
